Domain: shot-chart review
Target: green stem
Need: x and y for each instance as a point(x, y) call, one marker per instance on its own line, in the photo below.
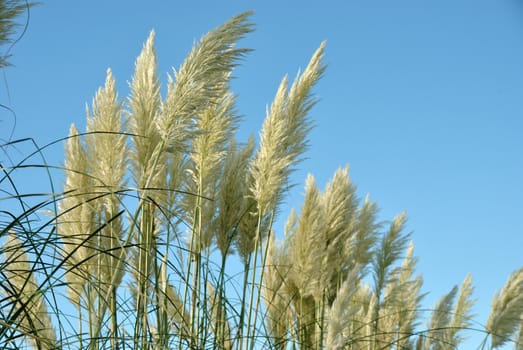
point(186, 286)
point(193, 256)
point(195, 302)
point(219, 325)
point(253, 282)
point(264, 263)
point(319, 345)
point(206, 319)
point(244, 296)
point(80, 321)
point(114, 321)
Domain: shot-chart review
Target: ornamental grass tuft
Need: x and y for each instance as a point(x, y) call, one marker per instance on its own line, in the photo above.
point(163, 236)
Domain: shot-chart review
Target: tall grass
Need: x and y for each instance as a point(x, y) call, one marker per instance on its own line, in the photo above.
point(163, 235)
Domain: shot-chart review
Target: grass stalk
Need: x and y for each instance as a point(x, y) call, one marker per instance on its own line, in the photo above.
point(264, 254)
point(253, 284)
point(243, 305)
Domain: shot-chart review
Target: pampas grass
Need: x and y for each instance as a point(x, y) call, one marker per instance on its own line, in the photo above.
point(283, 138)
point(163, 236)
point(462, 315)
point(440, 319)
point(26, 298)
point(341, 312)
point(507, 308)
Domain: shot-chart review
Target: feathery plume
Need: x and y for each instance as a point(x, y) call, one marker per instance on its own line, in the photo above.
point(359, 326)
point(440, 321)
point(506, 310)
point(283, 138)
point(389, 250)
point(107, 153)
point(342, 310)
point(282, 143)
point(306, 246)
point(214, 127)
point(106, 145)
point(147, 159)
point(76, 217)
point(26, 295)
point(248, 224)
point(340, 207)
point(231, 195)
point(201, 79)
point(401, 301)
point(9, 14)
point(359, 247)
point(148, 165)
point(462, 315)
point(277, 300)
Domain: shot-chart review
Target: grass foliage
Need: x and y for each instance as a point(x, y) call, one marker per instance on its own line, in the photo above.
point(163, 237)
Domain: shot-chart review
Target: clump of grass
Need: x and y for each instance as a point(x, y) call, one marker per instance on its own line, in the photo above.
point(163, 235)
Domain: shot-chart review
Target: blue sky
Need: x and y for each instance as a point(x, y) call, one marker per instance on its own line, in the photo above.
point(424, 100)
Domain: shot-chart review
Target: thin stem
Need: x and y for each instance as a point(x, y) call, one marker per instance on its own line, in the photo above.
point(244, 296)
point(253, 281)
point(80, 321)
point(114, 321)
point(258, 297)
point(220, 288)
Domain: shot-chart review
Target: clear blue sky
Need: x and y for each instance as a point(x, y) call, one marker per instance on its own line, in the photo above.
point(424, 100)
